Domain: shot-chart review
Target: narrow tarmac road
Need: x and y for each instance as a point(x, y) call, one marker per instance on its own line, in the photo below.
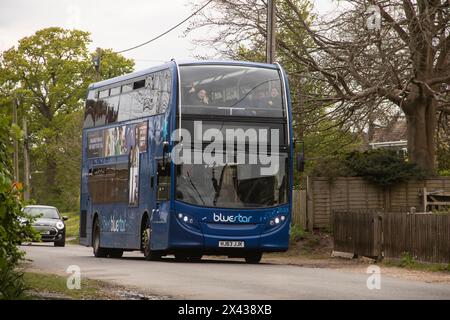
point(227, 279)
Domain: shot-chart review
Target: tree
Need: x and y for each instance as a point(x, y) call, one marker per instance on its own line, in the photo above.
point(404, 62)
point(237, 30)
point(48, 74)
point(363, 69)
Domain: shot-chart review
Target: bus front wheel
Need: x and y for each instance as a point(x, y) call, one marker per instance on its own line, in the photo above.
point(149, 254)
point(99, 252)
point(253, 258)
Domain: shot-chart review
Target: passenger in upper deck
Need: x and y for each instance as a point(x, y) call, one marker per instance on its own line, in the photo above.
point(274, 98)
point(200, 97)
point(266, 98)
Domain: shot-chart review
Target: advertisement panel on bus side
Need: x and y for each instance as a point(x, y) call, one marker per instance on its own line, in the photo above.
point(117, 141)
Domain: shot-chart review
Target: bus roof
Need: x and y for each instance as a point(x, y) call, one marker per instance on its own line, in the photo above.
point(227, 62)
point(129, 76)
point(166, 65)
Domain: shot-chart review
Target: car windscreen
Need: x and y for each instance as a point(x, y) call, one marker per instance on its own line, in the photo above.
point(49, 213)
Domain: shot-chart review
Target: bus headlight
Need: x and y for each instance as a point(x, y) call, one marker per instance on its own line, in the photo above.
point(186, 219)
point(277, 220)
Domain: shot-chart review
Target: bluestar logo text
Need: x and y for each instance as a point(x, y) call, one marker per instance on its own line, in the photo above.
point(218, 217)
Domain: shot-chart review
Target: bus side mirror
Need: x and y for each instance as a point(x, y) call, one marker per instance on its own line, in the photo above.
point(300, 159)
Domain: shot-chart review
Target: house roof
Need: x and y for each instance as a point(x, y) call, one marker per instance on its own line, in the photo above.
point(395, 131)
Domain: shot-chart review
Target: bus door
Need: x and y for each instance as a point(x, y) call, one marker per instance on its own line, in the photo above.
point(160, 213)
point(85, 209)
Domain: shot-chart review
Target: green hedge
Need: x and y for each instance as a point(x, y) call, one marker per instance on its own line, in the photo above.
point(13, 229)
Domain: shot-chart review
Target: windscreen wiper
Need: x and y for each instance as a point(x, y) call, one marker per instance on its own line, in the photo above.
point(195, 188)
point(219, 186)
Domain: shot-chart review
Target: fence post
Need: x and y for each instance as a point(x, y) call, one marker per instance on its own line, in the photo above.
point(294, 207)
point(310, 204)
point(378, 235)
point(387, 198)
point(303, 209)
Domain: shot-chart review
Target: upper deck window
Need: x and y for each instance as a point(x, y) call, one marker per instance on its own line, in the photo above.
point(114, 91)
point(231, 90)
point(103, 94)
point(141, 98)
point(127, 88)
point(139, 84)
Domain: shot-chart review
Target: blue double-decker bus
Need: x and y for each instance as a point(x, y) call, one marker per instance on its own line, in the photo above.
point(188, 159)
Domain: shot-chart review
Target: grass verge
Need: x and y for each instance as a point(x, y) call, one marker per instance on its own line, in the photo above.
point(407, 261)
point(50, 286)
point(72, 226)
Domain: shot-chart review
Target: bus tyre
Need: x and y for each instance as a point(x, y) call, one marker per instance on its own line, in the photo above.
point(149, 254)
point(253, 258)
point(99, 252)
point(115, 253)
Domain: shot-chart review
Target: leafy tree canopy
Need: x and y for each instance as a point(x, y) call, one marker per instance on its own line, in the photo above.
point(47, 75)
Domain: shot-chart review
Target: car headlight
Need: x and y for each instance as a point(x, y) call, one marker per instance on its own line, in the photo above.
point(60, 225)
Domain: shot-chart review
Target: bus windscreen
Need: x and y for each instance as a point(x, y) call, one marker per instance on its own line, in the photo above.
point(229, 90)
point(232, 185)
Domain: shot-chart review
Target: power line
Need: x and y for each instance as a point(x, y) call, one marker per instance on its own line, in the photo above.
point(167, 31)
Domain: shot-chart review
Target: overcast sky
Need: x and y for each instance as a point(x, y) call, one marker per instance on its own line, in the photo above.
point(114, 24)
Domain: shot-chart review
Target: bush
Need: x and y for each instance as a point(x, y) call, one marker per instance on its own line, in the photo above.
point(443, 158)
point(382, 167)
point(407, 260)
point(297, 233)
point(13, 228)
point(12, 284)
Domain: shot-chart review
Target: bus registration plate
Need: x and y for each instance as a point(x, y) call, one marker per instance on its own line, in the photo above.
point(231, 244)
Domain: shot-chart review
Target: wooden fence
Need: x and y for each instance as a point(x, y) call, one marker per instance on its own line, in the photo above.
point(357, 232)
point(299, 213)
point(346, 194)
point(426, 237)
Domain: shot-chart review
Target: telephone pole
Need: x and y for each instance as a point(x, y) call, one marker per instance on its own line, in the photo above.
point(16, 142)
point(97, 63)
point(271, 30)
point(26, 163)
